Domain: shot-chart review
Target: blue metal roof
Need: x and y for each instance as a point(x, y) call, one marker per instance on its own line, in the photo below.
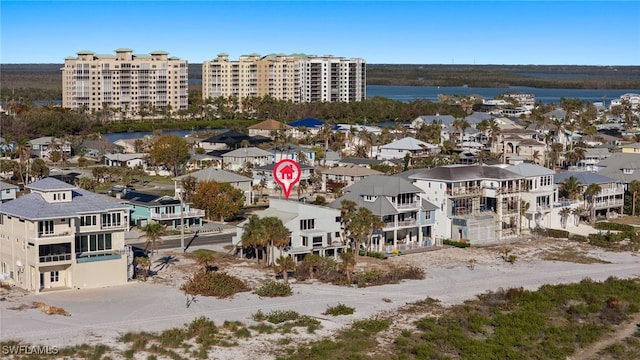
point(307, 122)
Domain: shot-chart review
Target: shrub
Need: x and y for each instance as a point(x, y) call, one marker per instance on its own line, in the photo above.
point(554, 233)
point(340, 309)
point(373, 325)
point(604, 225)
point(373, 254)
point(218, 284)
point(460, 244)
point(280, 316)
point(272, 288)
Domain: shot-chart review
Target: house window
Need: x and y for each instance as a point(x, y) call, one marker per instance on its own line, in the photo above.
point(88, 220)
point(627, 171)
point(45, 227)
point(305, 241)
point(111, 220)
point(307, 224)
point(55, 276)
point(427, 215)
point(317, 241)
point(93, 242)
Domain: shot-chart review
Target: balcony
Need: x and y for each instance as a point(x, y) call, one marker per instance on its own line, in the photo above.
point(609, 203)
point(55, 258)
point(412, 205)
point(197, 213)
point(464, 191)
point(52, 234)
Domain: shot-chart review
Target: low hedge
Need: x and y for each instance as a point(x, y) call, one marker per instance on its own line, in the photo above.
point(605, 225)
point(460, 244)
point(554, 233)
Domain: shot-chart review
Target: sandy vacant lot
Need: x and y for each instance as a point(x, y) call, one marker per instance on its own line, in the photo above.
point(102, 315)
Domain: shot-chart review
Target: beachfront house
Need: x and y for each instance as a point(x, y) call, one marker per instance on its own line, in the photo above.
point(163, 209)
point(475, 203)
point(61, 237)
point(314, 229)
point(407, 218)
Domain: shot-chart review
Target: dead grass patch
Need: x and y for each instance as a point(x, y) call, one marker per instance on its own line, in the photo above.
point(571, 255)
point(50, 309)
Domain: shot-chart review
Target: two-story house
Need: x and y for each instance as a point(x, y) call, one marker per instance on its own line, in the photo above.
point(218, 175)
point(263, 175)
point(238, 159)
point(478, 203)
point(342, 176)
point(406, 216)
point(61, 237)
point(538, 195)
point(314, 229)
point(609, 199)
point(163, 209)
point(43, 146)
point(408, 145)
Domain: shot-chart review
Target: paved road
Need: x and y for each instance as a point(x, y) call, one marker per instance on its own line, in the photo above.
point(173, 242)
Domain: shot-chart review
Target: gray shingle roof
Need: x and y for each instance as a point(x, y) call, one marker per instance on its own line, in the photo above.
point(215, 174)
point(50, 184)
point(382, 185)
point(5, 186)
point(527, 170)
point(465, 172)
point(34, 207)
point(381, 206)
point(247, 152)
point(585, 178)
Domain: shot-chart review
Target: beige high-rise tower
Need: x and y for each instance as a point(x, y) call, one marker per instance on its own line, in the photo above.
point(298, 78)
point(124, 84)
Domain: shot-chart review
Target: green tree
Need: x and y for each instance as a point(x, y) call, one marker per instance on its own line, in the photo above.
point(277, 235)
point(284, 264)
point(572, 188)
point(590, 195)
point(39, 168)
point(189, 186)
point(170, 150)
point(153, 231)
point(253, 236)
point(634, 189)
point(219, 200)
point(363, 225)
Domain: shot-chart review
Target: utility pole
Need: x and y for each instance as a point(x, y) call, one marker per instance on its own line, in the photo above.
point(179, 191)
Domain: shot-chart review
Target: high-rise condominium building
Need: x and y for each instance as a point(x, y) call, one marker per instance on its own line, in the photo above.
point(298, 78)
point(128, 85)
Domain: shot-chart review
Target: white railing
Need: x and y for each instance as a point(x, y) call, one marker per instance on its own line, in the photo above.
point(50, 234)
point(190, 213)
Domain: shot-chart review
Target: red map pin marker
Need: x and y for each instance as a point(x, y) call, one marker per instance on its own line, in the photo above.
point(286, 173)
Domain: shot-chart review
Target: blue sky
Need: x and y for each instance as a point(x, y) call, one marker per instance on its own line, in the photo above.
point(389, 32)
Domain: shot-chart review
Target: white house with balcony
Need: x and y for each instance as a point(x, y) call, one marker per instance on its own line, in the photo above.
point(538, 192)
point(42, 147)
point(314, 229)
point(239, 158)
point(477, 203)
point(610, 198)
point(62, 237)
point(408, 145)
point(406, 216)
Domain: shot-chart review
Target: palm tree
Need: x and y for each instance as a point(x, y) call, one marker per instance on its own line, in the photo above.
point(556, 150)
point(572, 187)
point(564, 215)
point(590, 195)
point(524, 207)
point(153, 232)
point(347, 264)
point(284, 264)
point(536, 156)
point(634, 189)
point(254, 235)
point(276, 235)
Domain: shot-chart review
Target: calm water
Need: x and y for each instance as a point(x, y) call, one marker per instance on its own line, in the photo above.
point(410, 93)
